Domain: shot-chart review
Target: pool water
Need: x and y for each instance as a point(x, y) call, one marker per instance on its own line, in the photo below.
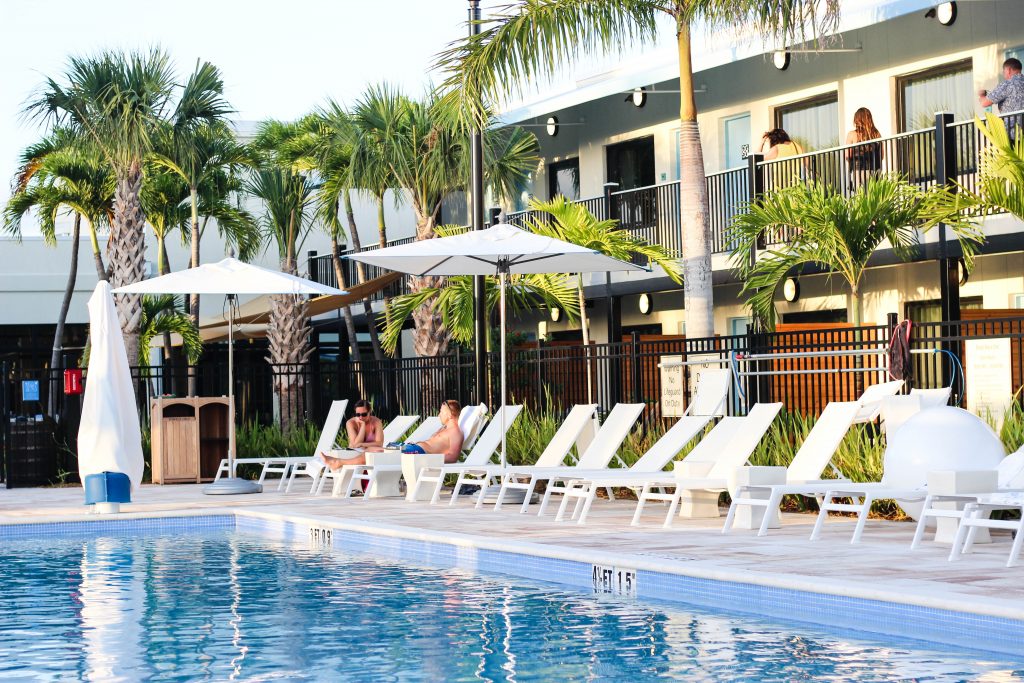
point(222, 605)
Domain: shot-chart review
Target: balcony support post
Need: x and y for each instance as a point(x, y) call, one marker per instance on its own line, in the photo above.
point(949, 262)
point(476, 222)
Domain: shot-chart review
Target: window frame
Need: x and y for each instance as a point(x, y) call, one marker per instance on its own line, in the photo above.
point(830, 97)
point(949, 68)
point(552, 172)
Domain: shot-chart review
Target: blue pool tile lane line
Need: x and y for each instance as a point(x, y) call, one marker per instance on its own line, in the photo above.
point(981, 624)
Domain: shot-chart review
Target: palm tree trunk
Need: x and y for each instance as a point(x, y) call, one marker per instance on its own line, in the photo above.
point(127, 250)
point(586, 338)
point(163, 267)
point(193, 301)
point(430, 338)
point(693, 202)
point(350, 216)
point(289, 347)
point(65, 305)
point(346, 311)
point(97, 254)
point(855, 312)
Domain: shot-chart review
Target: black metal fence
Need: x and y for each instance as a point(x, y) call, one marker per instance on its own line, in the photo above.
point(40, 421)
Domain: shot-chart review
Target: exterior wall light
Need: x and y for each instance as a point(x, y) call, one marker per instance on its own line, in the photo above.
point(944, 12)
point(551, 126)
point(780, 58)
point(791, 289)
point(638, 97)
point(556, 314)
point(645, 304)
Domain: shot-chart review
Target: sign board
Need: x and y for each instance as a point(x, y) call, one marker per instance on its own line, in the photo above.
point(673, 402)
point(29, 390)
point(989, 391)
point(614, 580)
point(714, 363)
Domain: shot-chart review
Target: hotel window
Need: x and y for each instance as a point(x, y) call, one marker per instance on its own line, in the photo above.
point(949, 87)
point(631, 163)
point(564, 179)
point(1017, 300)
point(812, 123)
point(735, 140)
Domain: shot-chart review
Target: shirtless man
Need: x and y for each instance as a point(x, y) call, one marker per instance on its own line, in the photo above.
point(447, 440)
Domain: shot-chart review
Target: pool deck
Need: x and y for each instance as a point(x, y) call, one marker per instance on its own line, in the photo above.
point(880, 567)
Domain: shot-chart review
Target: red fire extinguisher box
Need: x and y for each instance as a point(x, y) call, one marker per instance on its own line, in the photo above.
point(73, 382)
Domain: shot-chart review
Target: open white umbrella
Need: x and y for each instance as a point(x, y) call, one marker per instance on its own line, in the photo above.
point(109, 435)
point(502, 250)
point(229, 277)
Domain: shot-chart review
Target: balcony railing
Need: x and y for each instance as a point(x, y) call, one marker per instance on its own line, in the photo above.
point(654, 212)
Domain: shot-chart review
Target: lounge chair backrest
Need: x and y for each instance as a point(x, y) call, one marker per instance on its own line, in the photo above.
point(490, 439)
point(611, 435)
point(870, 401)
point(737, 450)
point(820, 445)
point(712, 393)
point(671, 442)
point(932, 398)
point(566, 435)
point(332, 425)
point(397, 428)
point(898, 409)
point(1011, 470)
point(471, 420)
point(426, 430)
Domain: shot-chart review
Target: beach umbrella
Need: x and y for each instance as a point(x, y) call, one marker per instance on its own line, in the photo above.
point(231, 278)
point(500, 250)
point(109, 435)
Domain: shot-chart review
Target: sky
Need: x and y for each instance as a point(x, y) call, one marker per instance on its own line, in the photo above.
point(279, 59)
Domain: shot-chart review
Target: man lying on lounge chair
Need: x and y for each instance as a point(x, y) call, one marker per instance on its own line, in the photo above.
point(447, 440)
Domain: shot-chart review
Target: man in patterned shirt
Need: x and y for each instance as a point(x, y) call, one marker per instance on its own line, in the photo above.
point(1009, 94)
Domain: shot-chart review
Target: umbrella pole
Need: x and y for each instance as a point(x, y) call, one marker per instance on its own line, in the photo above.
point(502, 278)
point(231, 383)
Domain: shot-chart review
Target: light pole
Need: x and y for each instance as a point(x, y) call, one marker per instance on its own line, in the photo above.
point(476, 222)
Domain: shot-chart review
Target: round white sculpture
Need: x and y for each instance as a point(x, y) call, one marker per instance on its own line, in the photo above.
point(945, 438)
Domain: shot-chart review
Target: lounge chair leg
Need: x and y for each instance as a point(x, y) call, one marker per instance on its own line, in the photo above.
point(771, 509)
point(731, 515)
point(972, 532)
point(501, 493)
point(529, 494)
point(591, 496)
point(862, 518)
point(611, 494)
point(673, 508)
point(484, 484)
point(564, 504)
point(547, 497)
point(436, 498)
point(921, 523)
point(958, 540)
point(819, 523)
point(371, 482)
point(640, 501)
point(1018, 542)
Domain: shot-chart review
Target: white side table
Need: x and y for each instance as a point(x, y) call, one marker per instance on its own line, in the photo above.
point(387, 472)
point(412, 463)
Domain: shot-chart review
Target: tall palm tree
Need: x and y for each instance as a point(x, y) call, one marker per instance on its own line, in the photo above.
point(427, 152)
point(116, 102)
point(532, 40)
point(286, 221)
point(162, 315)
point(56, 176)
point(834, 232)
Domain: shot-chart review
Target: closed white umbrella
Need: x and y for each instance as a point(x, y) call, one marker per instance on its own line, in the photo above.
point(229, 277)
point(500, 250)
point(109, 435)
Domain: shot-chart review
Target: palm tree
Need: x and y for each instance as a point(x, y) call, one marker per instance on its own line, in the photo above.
point(286, 221)
point(162, 315)
point(116, 103)
point(834, 232)
point(57, 176)
point(427, 153)
point(534, 39)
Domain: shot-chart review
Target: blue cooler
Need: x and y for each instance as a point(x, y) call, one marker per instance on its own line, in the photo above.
point(107, 490)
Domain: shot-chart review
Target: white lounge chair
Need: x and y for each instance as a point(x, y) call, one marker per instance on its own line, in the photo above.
point(282, 464)
point(314, 466)
point(478, 458)
point(708, 467)
point(804, 474)
point(396, 429)
point(578, 419)
point(870, 400)
point(712, 395)
point(583, 486)
point(597, 456)
point(976, 516)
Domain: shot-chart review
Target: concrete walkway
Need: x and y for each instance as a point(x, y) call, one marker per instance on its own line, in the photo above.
point(883, 559)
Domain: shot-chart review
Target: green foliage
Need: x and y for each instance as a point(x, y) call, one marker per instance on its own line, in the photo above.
point(162, 313)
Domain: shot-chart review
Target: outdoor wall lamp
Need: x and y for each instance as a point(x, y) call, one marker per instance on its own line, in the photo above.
point(645, 304)
point(551, 126)
point(638, 97)
point(944, 12)
point(556, 314)
point(780, 58)
point(791, 289)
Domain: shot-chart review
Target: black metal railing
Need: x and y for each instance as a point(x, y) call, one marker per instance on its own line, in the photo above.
point(651, 213)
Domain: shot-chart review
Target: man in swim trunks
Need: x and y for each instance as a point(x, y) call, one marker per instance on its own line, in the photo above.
point(447, 440)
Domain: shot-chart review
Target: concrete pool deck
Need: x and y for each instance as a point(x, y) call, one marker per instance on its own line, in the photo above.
point(881, 567)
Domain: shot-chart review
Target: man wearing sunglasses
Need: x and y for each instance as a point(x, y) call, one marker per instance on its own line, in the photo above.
point(365, 431)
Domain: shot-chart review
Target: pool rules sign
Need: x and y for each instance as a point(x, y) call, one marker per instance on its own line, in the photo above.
point(989, 388)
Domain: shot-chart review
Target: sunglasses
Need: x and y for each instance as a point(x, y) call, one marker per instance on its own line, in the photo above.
point(361, 414)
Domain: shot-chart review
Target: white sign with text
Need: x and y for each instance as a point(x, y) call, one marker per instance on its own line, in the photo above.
point(989, 389)
point(673, 403)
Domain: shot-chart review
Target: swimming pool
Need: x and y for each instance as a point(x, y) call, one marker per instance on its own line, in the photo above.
point(217, 603)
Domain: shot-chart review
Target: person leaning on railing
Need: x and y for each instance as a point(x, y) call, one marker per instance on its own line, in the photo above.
point(864, 160)
point(1009, 94)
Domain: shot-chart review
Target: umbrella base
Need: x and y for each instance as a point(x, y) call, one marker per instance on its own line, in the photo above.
point(229, 486)
point(512, 496)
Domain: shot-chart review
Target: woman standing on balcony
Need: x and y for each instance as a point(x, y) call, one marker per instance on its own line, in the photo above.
point(864, 157)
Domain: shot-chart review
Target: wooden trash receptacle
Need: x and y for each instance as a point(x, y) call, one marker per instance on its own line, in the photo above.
point(189, 437)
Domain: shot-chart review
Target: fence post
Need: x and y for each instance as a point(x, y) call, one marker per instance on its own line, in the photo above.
point(634, 350)
point(755, 188)
point(5, 419)
point(493, 215)
point(949, 264)
point(540, 376)
point(609, 212)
